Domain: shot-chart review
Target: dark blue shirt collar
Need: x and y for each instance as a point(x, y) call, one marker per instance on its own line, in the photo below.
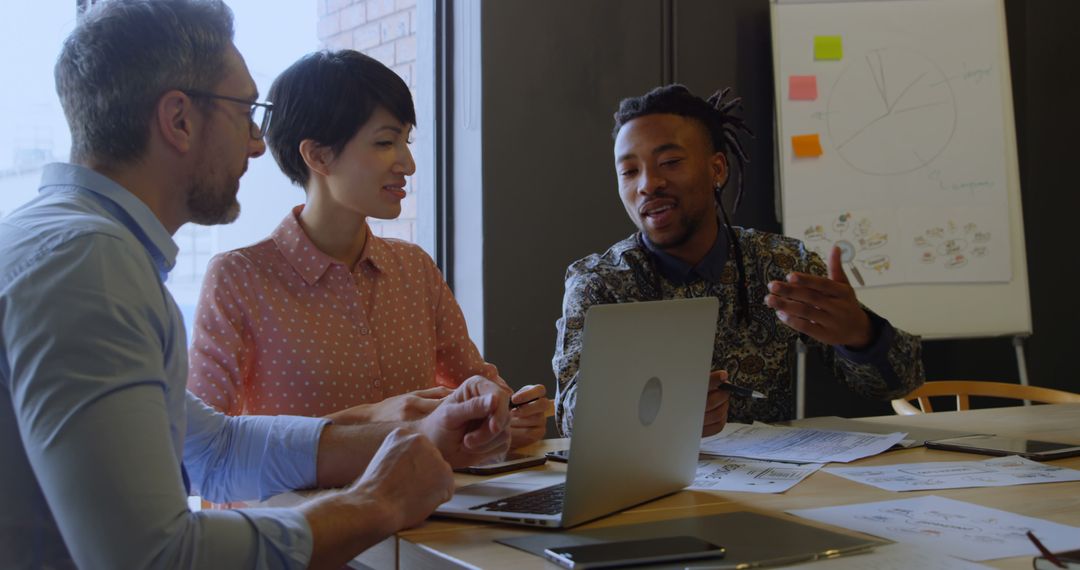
point(710, 268)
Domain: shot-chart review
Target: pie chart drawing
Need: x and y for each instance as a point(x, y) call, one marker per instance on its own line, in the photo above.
point(891, 111)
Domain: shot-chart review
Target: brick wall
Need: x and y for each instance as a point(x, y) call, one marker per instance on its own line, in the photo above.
point(386, 31)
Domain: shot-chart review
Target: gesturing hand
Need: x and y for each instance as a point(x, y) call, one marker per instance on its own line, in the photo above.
point(825, 308)
point(470, 426)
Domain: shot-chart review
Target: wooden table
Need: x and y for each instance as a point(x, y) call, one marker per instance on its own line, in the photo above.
point(443, 543)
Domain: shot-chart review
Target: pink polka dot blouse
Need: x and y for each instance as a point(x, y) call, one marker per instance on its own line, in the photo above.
point(283, 328)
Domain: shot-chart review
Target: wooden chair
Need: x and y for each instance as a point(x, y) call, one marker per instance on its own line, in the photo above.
point(962, 389)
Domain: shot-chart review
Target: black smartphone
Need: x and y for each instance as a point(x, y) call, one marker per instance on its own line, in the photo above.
point(634, 552)
point(996, 445)
point(562, 455)
point(512, 462)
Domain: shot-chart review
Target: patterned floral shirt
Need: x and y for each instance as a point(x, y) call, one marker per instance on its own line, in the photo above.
point(758, 352)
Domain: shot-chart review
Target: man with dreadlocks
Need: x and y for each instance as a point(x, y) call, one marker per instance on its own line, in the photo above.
point(671, 159)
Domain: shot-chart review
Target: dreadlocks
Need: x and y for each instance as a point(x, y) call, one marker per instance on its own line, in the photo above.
point(718, 115)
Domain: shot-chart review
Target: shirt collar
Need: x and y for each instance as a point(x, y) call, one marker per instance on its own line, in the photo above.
point(129, 210)
point(710, 268)
point(376, 252)
point(311, 262)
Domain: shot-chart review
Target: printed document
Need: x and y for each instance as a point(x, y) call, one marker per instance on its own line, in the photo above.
point(800, 445)
point(996, 472)
point(964, 530)
point(892, 557)
point(749, 475)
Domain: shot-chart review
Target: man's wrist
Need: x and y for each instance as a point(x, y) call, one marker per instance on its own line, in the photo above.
point(869, 336)
point(346, 523)
point(878, 348)
point(383, 518)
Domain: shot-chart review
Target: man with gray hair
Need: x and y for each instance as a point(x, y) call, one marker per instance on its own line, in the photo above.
point(101, 443)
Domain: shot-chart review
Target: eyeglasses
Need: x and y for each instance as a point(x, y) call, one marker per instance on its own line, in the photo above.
point(259, 114)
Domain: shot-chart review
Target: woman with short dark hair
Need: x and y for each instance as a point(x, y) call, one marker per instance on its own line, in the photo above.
point(323, 318)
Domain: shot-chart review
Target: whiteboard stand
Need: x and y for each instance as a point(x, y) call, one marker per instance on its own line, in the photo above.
point(1021, 362)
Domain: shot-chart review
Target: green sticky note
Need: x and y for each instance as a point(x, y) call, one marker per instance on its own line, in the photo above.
point(828, 47)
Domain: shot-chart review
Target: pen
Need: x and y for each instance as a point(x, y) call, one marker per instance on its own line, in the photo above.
point(514, 406)
point(1049, 556)
point(742, 391)
point(857, 275)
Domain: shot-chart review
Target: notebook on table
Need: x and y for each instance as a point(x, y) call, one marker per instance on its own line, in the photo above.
point(642, 384)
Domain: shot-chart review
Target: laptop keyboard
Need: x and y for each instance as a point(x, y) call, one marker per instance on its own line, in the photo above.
point(546, 501)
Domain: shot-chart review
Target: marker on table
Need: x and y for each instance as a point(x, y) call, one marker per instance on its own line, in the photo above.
point(742, 391)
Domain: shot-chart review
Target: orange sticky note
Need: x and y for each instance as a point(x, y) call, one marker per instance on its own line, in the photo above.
point(802, 87)
point(806, 146)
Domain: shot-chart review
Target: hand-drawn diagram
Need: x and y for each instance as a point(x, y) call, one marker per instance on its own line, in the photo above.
point(952, 245)
point(959, 244)
point(864, 247)
point(939, 523)
point(965, 530)
point(735, 474)
point(891, 111)
point(997, 472)
point(914, 129)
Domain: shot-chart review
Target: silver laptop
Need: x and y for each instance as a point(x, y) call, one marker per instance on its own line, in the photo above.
point(641, 394)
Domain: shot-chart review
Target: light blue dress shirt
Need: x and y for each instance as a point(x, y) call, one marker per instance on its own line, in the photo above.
point(98, 434)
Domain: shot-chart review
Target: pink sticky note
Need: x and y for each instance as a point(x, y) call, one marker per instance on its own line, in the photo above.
point(802, 87)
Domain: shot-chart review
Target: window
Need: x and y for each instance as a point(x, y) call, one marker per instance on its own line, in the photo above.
point(271, 36)
point(32, 127)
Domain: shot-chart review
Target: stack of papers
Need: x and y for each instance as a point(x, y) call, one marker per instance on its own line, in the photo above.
point(749, 475)
point(761, 458)
point(799, 445)
point(997, 472)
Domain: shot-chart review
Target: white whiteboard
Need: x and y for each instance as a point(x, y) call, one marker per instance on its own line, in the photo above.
point(917, 176)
